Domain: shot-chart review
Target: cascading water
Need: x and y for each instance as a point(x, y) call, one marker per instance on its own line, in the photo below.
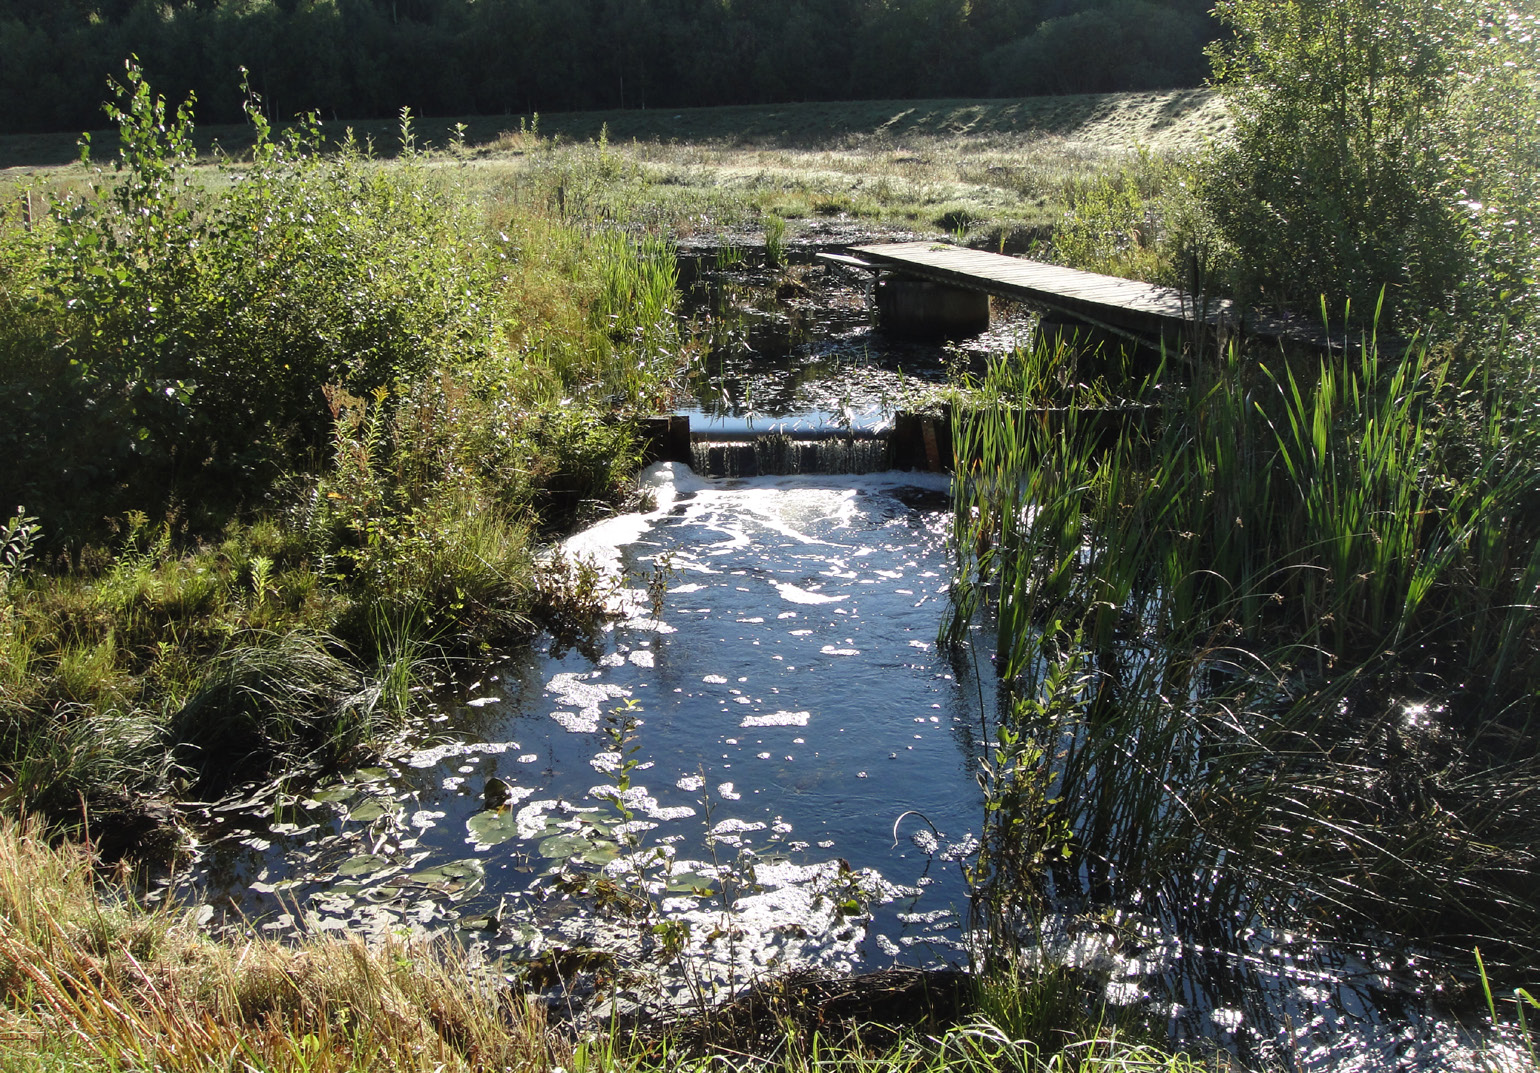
point(776, 454)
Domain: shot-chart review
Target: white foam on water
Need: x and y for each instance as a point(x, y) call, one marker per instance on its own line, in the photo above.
point(777, 719)
point(736, 826)
point(437, 754)
point(797, 595)
point(600, 544)
point(531, 819)
point(575, 690)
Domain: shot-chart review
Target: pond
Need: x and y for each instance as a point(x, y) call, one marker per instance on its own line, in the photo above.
point(763, 761)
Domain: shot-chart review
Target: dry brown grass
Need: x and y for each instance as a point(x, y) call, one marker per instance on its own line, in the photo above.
point(92, 980)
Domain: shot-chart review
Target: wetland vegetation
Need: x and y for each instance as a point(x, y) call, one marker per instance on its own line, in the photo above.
point(289, 428)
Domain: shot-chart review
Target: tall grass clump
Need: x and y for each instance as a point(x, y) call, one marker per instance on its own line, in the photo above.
point(775, 241)
point(1139, 219)
point(280, 703)
point(1272, 657)
point(92, 979)
point(638, 279)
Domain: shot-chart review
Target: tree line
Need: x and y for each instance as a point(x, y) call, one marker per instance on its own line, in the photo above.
point(360, 59)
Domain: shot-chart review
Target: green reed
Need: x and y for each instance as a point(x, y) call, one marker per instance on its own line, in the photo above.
point(1271, 651)
point(775, 241)
point(640, 280)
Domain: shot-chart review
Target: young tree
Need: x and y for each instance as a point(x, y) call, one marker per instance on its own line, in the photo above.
point(1350, 172)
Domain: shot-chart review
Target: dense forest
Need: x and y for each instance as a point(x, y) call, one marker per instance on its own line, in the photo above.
point(357, 59)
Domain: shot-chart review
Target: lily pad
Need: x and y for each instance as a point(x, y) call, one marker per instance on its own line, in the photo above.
point(365, 864)
point(579, 847)
point(334, 793)
point(387, 892)
point(371, 809)
point(691, 883)
point(454, 878)
point(583, 822)
point(519, 941)
point(491, 828)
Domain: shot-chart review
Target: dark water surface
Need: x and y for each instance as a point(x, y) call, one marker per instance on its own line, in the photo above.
point(729, 757)
point(787, 707)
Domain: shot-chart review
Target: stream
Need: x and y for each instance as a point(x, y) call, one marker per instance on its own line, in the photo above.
point(762, 762)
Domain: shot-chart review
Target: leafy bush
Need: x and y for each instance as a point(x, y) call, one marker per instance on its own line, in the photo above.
point(1381, 147)
point(194, 325)
point(290, 426)
point(1138, 221)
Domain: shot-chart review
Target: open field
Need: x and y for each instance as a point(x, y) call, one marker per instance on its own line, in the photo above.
point(1003, 167)
point(1175, 119)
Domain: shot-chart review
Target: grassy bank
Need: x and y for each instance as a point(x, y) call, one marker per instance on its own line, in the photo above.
point(1116, 121)
point(999, 170)
point(282, 433)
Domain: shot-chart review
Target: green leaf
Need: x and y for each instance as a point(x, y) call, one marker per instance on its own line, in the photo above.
point(579, 847)
point(365, 864)
point(454, 878)
point(335, 793)
point(691, 883)
point(373, 808)
point(493, 827)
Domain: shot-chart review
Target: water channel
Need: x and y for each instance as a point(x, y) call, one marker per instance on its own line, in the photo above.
point(763, 762)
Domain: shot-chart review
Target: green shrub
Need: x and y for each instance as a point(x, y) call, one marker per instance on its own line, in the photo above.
point(290, 426)
point(197, 323)
point(1382, 148)
point(1142, 219)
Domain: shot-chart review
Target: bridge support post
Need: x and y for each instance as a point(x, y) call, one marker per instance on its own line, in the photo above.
point(918, 308)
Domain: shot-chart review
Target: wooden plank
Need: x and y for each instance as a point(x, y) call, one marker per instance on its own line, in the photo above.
point(1073, 291)
point(847, 261)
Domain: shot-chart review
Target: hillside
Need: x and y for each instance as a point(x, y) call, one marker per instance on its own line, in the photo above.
point(1172, 119)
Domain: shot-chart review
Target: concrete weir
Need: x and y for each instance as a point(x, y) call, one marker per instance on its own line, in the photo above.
point(913, 442)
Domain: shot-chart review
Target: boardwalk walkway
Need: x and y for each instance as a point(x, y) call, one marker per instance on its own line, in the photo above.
point(1121, 305)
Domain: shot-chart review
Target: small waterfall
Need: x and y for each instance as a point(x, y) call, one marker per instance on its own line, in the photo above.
point(776, 454)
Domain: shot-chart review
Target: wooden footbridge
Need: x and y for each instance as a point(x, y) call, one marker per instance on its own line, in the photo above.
point(1144, 311)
